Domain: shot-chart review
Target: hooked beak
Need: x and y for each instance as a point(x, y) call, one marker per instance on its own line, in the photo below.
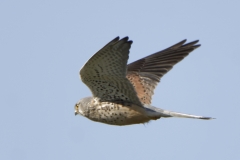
point(75, 113)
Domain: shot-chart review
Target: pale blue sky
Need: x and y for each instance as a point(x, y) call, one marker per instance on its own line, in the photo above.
point(43, 44)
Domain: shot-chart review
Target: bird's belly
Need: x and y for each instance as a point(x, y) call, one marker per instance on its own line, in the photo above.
point(118, 114)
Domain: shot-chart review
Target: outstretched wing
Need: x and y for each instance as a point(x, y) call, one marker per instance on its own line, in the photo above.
point(145, 73)
point(105, 73)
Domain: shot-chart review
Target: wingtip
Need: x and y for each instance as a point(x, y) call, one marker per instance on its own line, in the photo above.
point(183, 41)
point(126, 39)
point(196, 46)
point(116, 39)
point(192, 43)
point(207, 118)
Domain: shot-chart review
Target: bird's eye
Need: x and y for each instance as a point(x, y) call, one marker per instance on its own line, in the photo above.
point(76, 107)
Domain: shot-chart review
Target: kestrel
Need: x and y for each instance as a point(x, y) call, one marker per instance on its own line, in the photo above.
point(122, 93)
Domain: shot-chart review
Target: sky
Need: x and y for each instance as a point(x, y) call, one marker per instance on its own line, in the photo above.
point(43, 45)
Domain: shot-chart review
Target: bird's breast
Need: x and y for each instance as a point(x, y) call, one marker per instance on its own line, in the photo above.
point(117, 113)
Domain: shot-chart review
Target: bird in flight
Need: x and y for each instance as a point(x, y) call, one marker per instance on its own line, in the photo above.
point(121, 92)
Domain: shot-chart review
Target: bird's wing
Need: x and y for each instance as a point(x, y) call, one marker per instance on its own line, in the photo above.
point(145, 73)
point(105, 73)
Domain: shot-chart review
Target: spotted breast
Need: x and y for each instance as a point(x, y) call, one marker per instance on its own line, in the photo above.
point(117, 113)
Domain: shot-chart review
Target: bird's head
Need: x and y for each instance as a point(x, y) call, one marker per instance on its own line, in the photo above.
point(81, 107)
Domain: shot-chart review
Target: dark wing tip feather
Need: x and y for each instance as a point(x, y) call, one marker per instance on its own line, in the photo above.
point(126, 39)
point(117, 38)
point(114, 40)
point(111, 42)
point(177, 45)
point(206, 118)
point(191, 44)
point(196, 46)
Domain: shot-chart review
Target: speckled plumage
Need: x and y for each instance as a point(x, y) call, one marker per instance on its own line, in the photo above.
point(122, 93)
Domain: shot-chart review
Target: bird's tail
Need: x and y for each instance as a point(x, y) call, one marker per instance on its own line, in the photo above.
point(166, 114)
